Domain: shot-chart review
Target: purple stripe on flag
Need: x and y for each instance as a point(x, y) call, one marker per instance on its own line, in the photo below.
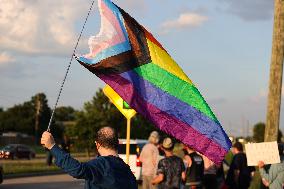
point(177, 108)
point(167, 123)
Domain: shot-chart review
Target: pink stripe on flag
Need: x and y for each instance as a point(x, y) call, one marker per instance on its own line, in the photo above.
point(107, 13)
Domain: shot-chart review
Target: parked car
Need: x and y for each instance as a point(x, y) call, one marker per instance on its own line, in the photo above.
point(19, 151)
point(134, 161)
point(1, 174)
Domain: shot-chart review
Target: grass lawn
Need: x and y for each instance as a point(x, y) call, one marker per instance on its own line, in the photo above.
point(17, 167)
point(36, 165)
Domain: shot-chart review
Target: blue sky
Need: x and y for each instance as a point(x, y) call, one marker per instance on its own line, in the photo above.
point(223, 45)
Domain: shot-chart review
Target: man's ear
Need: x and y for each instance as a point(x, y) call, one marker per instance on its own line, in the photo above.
point(97, 145)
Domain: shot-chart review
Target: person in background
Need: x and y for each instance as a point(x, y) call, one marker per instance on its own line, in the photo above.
point(107, 171)
point(239, 174)
point(210, 174)
point(149, 158)
point(65, 145)
point(49, 158)
point(220, 174)
point(171, 170)
point(274, 176)
point(194, 169)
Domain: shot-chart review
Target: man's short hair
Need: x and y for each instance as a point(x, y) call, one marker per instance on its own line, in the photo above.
point(168, 144)
point(107, 137)
point(154, 137)
point(239, 146)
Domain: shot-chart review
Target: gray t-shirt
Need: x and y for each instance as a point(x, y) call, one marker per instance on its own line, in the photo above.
point(172, 168)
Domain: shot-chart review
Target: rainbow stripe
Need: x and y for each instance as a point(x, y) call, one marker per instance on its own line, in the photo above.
point(141, 71)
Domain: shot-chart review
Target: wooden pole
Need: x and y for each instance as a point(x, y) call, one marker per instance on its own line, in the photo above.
point(37, 116)
point(128, 140)
point(276, 71)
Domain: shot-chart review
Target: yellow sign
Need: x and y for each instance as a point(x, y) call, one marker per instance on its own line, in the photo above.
point(118, 102)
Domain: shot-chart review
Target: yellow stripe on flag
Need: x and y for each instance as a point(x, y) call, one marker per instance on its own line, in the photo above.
point(164, 61)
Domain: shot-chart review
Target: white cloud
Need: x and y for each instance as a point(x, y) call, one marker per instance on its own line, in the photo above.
point(250, 10)
point(185, 20)
point(39, 26)
point(5, 58)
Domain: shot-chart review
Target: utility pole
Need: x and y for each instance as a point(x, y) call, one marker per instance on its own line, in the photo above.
point(276, 71)
point(37, 116)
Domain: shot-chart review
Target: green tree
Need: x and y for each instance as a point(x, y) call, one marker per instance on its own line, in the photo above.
point(141, 127)
point(65, 113)
point(96, 113)
point(258, 133)
point(21, 117)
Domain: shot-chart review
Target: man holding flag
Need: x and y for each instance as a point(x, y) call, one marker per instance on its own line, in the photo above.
point(107, 171)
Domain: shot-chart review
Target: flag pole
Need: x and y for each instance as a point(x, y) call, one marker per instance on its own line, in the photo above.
point(128, 140)
point(68, 68)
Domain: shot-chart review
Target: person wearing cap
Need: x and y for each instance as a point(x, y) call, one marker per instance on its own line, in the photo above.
point(149, 158)
point(273, 177)
point(171, 170)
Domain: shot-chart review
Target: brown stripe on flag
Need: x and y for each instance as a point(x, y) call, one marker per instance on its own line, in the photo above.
point(136, 37)
point(116, 64)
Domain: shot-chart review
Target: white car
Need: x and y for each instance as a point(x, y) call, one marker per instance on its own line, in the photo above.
point(134, 161)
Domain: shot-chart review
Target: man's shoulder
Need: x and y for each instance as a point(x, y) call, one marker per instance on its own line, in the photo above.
point(163, 160)
point(171, 159)
point(176, 158)
point(96, 160)
point(240, 157)
point(149, 145)
point(108, 162)
point(103, 160)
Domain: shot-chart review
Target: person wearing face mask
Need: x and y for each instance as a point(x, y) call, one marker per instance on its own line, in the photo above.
point(107, 171)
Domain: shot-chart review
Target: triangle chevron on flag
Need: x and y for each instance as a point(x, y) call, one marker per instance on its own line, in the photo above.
point(136, 66)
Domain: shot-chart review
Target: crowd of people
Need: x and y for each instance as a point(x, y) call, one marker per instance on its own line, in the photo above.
point(195, 171)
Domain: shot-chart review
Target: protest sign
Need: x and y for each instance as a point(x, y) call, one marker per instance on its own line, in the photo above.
point(265, 151)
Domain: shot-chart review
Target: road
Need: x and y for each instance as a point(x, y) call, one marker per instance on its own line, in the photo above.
point(43, 182)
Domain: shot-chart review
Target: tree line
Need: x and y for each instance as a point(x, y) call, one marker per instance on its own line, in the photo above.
point(79, 125)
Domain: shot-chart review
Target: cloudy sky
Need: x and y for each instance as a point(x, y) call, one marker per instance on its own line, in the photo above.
point(223, 45)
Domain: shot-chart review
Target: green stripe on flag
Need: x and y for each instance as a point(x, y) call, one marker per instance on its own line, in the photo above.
point(176, 87)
